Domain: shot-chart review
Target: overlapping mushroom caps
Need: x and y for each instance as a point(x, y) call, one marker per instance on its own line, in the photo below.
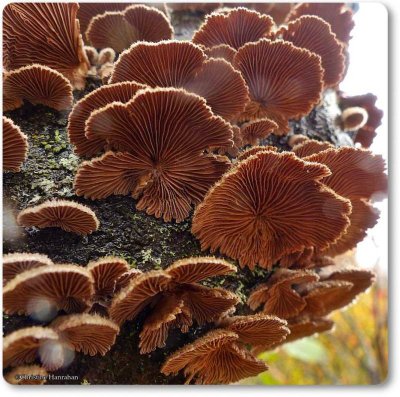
point(314, 34)
point(62, 287)
point(120, 92)
point(37, 84)
point(16, 263)
point(358, 175)
point(47, 34)
point(15, 146)
point(268, 206)
point(339, 17)
point(234, 28)
point(279, 93)
point(367, 132)
point(309, 147)
point(175, 298)
point(27, 375)
point(67, 215)
point(182, 64)
point(161, 136)
point(220, 357)
point(119, 29)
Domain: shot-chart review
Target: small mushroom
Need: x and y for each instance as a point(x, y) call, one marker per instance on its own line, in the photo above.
point(354, 118)
point(256, 130)
point(309, 147)
point(278, 294)
point(27, 375)
point(255, 150)
point(119, 29)
point(92, 55)
point(15, 146)
point(106, 55)
point(16, 263)
point(64, 287)
point(67, 215)
point(234, 27)
point(86, 333)
point(223, 51)
point(260, 210)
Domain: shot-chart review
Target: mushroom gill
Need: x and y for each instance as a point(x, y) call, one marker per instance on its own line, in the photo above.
point(309, 147)
point(223, 51)
point(256, 130)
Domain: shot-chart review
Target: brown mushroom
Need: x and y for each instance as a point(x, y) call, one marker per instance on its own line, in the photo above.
point(47, 34)
point(251, 214)
point(16, 263)
point(106, 55)
point(273, 93)
point(124, 280)
point(255, 150)
point(278, 294)
point(22, 346)
point(314, 34)
point(354, 118)
point(296, 139)
point(91, 54)
point(223, 51)
point(184, 65)
point(65, 287)
point(68, 215)
point(215, 358)
point(299, 259)
point(162, 134)
point(256, 130)
point(119, 29)
point(15, 146)
point(339, 16)
point(309, 147)
point(235, 28)
point(86, 333)
point(27, 375)
point(37, 84)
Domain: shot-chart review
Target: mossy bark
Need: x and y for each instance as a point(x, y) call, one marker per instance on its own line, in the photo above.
point(144, 241)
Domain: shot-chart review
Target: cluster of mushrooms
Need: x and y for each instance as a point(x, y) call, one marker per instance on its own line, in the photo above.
point(181, 125)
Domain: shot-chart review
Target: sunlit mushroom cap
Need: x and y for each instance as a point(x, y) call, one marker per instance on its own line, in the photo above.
point(16, 263)
point(235, 28)
point(255, 130)
point(15, 146)
point(65, 287)
point(215, 358)
point(279, 296)
point(68, 215)
point(87, 333)
point(47, 34)
point(166, 165)
point(184, 65)
point(119, 29)
point(27, 375)
point(223, 51)
point(249, 214)
point(106, 272)
point(339, 17)
point(258, 329)
point(137, 295)
point(22, 346)
point(121, 92)
point(314, 34)
point(39, 85)
point(277, 92)
point(309, 147)
point(354, 118)
point(255, 150)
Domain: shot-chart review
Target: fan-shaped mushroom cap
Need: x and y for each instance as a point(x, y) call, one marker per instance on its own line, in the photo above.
point(235, 28)
point(119, 29)
point(22, 346)
point(125, 279)
point(309, 147)
point(16, 263)
point(184, 65)
point(296, 139)
point(27, 375)
point(120, 92)
point(68, 215)
point(87, 333)
point(314, 34)
point(165, 165)
point(106, 55)
point(255, 130)
point(337, 15)
point(39, 85)
point(193, 270)
point(215, 358)
point(92, 54)
point(223, 51)
point(137, 295)
point(106, 272)
point(255, 150)
point(15, 146)
point(249, 215)
point(278, 294)
point(354, 118)
point(277, 92)
point(47, 34)
point(67, 287)
point(258, 329)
